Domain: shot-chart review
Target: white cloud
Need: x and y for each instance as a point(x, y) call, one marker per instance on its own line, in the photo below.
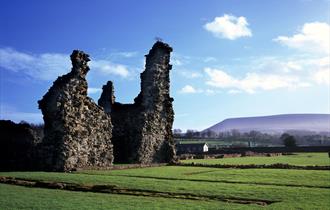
point(124, 54)
point(291, 65)
point(107, 68)
point(189, 89)
point(229, 27)
point(195, 75)
point(313, 37)
point(179, 60)
point(277, 64)
point(233, 92)
point(92, 90)
point(322, 76)
point(310, 69)
point(318, 70)
point(176, 62)
point(210, 92)
point(219, 78)
point(48, 66)
point(209, 59)
point(251, 82)
point(190, 74)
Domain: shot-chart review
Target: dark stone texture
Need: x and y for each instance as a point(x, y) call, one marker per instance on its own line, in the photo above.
point(77, 131)
point(107, 97)
point(17, 146)
point(142, 131)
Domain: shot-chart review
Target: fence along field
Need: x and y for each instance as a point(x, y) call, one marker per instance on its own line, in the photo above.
point(174, 187)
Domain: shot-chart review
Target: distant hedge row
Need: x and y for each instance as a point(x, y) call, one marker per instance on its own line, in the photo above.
point(272, 166)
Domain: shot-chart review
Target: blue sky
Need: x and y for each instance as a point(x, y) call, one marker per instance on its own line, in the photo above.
point(232, 58)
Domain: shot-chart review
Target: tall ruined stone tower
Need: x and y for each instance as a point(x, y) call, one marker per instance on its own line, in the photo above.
point(142, 131)
point(77, 131)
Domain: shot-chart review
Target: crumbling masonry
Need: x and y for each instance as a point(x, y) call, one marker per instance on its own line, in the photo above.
point(77, 131)
point(142, 132)
point(80, 134)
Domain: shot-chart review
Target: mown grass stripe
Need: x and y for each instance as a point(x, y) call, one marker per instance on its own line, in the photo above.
point(113, 189)
point(211, 181)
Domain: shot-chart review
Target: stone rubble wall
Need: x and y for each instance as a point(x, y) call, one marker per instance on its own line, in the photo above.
point(80, 134)
point(142, 131)
point(77, 131)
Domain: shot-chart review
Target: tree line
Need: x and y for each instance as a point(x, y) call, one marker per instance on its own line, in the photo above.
point(300, 137)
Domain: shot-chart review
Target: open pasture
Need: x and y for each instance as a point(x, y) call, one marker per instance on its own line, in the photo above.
point(176, 187)
point(299, 159)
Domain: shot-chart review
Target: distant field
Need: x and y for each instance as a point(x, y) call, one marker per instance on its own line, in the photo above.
point(301, 159)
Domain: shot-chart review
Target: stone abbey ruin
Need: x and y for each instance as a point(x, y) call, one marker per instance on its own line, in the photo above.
point(77, 131)
point(81, 134)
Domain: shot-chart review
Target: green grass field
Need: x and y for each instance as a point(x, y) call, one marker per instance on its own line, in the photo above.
point(301, 159)
point(288, 189)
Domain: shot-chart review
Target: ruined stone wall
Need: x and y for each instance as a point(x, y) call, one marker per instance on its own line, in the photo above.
point(107, 97)
point(142, 131)
point(77, 131)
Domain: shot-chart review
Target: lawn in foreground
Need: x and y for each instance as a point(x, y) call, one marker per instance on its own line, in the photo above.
point(300, 159)
point(269, 184)
point(17, 197)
